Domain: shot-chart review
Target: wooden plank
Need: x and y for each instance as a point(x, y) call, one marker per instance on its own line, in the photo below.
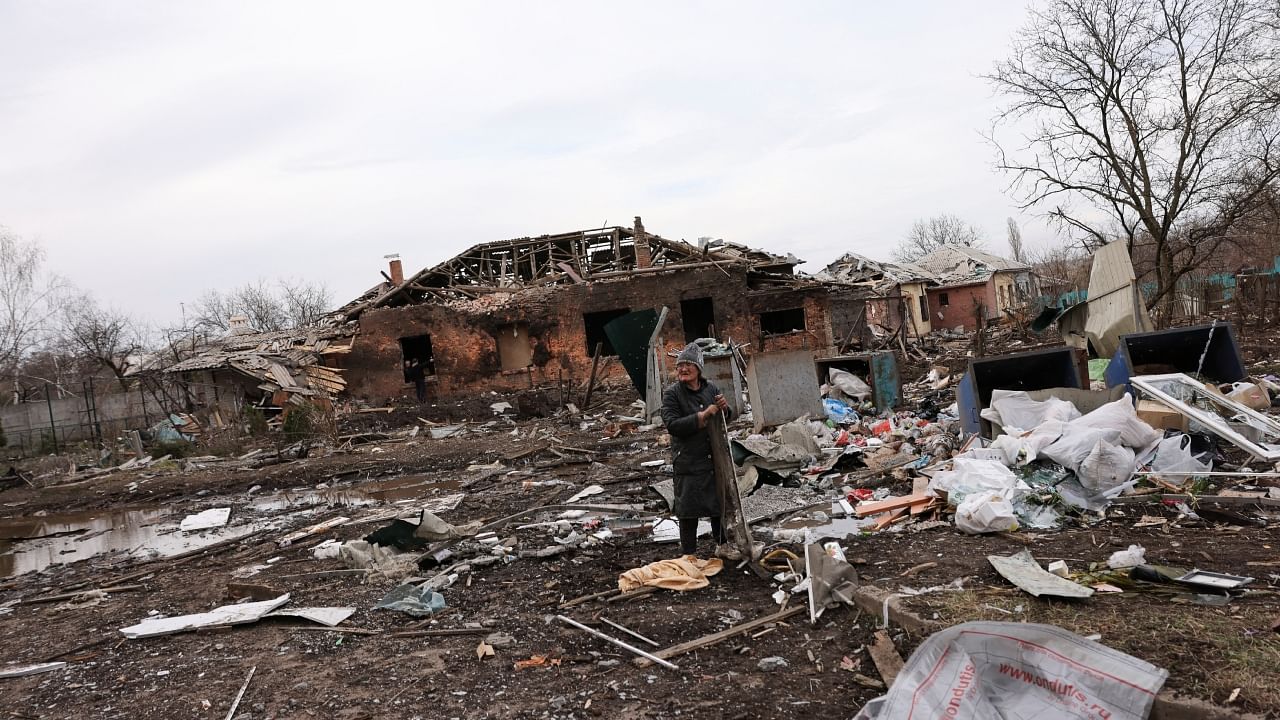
point(890, 518)
point(893, 503)
point(920, 486)
point(885, 656)
point(723, 635)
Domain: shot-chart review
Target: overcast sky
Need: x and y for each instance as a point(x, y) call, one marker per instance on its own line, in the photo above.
point(159, 149)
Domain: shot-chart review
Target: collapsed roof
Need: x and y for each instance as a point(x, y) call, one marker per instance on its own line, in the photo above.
point(957, 264)
point(288, 360)
point(570, 258)
point(854, 269)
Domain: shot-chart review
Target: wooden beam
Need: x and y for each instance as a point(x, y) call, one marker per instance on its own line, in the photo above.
point(893, 503)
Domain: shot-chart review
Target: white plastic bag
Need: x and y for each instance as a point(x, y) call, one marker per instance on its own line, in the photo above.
point(1174, 461)
point(1076, 443)
point(985, 670)
point(1014, 409)
point(849, 384)
point(1122, 416)
point(984, 512)
point(1106, 467)
point(970, 476)
point(1134, 556)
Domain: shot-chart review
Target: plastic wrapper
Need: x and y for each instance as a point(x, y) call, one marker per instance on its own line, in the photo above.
point(985, 670)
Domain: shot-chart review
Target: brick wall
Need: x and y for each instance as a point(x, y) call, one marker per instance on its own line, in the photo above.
point(464, 334)
point(961, 301)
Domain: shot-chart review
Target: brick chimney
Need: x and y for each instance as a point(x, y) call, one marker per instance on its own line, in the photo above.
point(397, 272)
point(644, 258)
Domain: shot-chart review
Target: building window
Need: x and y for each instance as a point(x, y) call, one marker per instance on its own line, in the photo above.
point(924, 307)
point(698, 318)
point(594, 323)
point(514, 350)
point(943, 300)
point(778, 322)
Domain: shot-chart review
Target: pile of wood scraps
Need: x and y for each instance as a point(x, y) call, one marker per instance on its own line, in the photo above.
point(893, 510)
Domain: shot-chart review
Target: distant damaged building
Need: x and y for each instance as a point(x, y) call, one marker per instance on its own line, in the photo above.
point(971, 287)
point(886, 295)
point(532, 311)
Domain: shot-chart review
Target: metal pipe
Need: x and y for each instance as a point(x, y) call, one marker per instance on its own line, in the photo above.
point(632, 633)
point(619, 643)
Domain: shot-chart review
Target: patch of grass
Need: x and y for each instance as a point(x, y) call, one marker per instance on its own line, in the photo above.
point(1208, 651)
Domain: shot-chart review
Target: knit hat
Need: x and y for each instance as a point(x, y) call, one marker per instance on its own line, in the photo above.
point(692, 353)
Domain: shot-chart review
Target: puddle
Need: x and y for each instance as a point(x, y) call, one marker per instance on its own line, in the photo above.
point(408, 487)
point(31, 544)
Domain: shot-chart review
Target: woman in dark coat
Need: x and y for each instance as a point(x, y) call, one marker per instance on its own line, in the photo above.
point(687, 408)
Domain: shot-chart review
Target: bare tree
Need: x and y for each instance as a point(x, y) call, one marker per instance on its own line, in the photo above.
point(305, 303)
point(1156, 118)
point(211, 311)
point(929, 235)
point(102, 337)
point(28, 301)
point(290, 304)
point(1015, 242)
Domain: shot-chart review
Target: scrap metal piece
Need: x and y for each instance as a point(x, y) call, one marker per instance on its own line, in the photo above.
point(1022, 570)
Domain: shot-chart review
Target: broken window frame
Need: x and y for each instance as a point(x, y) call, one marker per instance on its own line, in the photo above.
point(944, 300)
point(1270, 452)
point(804, 321)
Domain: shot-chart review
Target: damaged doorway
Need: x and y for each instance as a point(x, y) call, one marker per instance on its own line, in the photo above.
point(418, 358)
point(698, 318)
point(593, 323)
point(514, 350)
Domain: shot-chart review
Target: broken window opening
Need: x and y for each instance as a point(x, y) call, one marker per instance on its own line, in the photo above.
point(594, 323)
point(943, 300)
point(780, 322)
point(924, 307)
point(697, 316)
point(514, 350)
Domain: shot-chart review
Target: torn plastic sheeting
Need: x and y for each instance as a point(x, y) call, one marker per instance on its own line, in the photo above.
point(984, 670)
point(413, 599)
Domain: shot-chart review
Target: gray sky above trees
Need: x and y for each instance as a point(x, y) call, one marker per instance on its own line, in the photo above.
point(157, 149)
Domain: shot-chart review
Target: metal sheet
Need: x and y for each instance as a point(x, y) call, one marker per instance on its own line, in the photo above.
point(225, 615)
point(783, 387)
point(1023, 570)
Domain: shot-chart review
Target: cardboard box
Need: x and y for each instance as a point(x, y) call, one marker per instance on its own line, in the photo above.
point(1161, 416)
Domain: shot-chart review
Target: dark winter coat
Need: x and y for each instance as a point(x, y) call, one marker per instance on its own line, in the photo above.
point(695, 483)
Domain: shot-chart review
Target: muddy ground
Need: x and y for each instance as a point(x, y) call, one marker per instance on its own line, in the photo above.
point(303, 671)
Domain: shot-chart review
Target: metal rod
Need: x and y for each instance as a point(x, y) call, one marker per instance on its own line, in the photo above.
point(619, 643)
point(1211, 473)
point(236, 703)
point(632, 633)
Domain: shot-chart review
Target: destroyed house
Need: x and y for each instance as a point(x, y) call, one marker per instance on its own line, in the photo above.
point(972, 287)
point(885, 296)
point(532, 311)
point(268, 370)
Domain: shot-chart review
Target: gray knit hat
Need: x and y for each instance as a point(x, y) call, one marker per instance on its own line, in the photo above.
point(692, 353)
